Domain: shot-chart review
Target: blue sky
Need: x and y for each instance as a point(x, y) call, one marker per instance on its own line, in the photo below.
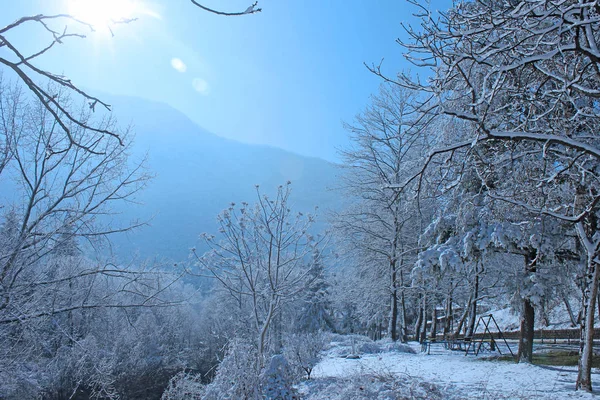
point(286, 77)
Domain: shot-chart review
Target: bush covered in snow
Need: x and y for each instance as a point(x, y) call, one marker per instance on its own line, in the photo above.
point(238, 375)
point(355, 345)
point(241, 376)
point(389, 345)
point(344, 345)
point(303, 352)
point(371, 387)
point(277, 380)
point(184, 386)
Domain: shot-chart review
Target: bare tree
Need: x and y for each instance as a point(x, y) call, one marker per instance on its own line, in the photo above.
point(380, 225)
point(60, 193)
point(61, 28)
point(56, 215)
point(264, 258)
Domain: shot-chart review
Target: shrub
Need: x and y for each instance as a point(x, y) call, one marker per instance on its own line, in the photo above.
point(184, 386)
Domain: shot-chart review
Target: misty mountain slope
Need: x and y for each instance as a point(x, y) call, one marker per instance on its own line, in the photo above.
point(198, 174)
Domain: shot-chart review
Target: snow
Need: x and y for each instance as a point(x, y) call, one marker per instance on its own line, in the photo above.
point(508, 320)
point(455, 375)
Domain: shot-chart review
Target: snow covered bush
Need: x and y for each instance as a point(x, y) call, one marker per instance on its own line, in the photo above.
point(372, 387)
point(23, 383)
point(382, 346)
point(184, 386)
point(345, 345)
point(370, 348)
point(82, 369)
point(241, 376)
point(388, 345)
point(238, 375)
point(303, 352)
point(278, 379)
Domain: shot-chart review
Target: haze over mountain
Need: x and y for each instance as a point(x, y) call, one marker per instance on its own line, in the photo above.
point(198, 174)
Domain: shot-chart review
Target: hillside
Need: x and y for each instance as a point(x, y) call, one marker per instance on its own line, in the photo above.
point(198, 174)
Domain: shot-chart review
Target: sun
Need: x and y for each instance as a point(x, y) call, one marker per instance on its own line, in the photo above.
point(102, 14)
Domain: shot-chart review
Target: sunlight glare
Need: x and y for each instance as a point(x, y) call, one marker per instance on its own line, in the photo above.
point(101, 14)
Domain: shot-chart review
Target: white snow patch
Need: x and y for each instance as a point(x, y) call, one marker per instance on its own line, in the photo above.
point(459, 376)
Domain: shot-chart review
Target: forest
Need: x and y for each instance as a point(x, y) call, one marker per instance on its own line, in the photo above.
point(470, 184)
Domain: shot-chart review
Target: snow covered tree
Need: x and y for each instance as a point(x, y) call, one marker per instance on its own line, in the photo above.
point(312, 311)
point(264, 258)
point(525, 74)
point(54, 287)
point(474, 230)
point(380, 225)
point(61, 194)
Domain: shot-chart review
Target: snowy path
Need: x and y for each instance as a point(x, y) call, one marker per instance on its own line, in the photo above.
point(465, 377)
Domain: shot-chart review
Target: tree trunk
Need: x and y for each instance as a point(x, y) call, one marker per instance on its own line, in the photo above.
point(448, 318)
point(278, 328)
point(419, 322)
point(262, 337)
point(463, 318)
point(473, 315)
point(70, 322)
point(544, 318)
point(584, 375)
point(574, 321)
point(423, 333)
point(394, 304)
point(403, 335)
point(433, 332)
point(393, 274)
point(525, 352)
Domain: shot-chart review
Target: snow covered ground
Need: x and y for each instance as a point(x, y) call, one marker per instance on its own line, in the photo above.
point(443, 375)
point(508, 320)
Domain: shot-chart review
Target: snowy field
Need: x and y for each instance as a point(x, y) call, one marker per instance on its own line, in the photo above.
point(443, 375)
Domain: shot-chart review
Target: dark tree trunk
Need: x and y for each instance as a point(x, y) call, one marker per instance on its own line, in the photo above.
point(545, 319)
point(473, 316)
point(525, 352)
point(574, 321)
point(423, 333)
point(584, 374)
point(463, 318)
point(419, 322)
point(278, 328)
point(586, 233)
point(403, 335)
point(433, 332)
point(448, 318)
point(393, 328)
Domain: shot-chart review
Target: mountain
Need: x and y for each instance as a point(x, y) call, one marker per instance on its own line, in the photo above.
point(198, 174)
